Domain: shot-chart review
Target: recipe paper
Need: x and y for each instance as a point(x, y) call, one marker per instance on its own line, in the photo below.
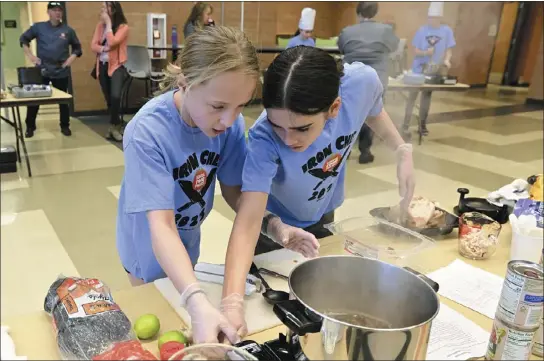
point(455, 337)
point(469, 286)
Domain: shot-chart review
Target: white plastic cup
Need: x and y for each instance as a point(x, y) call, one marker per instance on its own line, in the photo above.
point(525, 247)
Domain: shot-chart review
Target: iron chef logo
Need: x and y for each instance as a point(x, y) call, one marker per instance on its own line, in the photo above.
point(195, 176)
point(63, 36)
point(433, 39)
point(332, 161)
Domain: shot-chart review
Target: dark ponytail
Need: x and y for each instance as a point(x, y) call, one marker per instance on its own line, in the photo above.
point(303, 79)
point(297, 33)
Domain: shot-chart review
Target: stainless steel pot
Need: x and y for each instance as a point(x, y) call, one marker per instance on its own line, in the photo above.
point(354, 308)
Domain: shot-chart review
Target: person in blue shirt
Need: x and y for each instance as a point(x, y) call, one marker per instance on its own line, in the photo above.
point(433, 44)
point(175, 148)
point(296, 162)
point(303, 36)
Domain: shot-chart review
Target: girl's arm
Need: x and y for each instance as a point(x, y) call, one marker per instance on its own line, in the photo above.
point(169, 250)
point(231, 195)
point(115, 39)
point(243, 240)
point(384, 128)
point(95, 42)
point(420, 52)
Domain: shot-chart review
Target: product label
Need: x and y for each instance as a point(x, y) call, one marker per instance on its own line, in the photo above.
point(534, 299)
point(508, 344)
point(521, 301)
point(85, 297)
point(538, 347)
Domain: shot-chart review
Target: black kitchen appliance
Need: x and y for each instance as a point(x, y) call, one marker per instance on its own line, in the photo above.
point(8, 159)
point(433, 79)
point(29, 75)
point(280, 349)
point(481, 205)
point(438, 79)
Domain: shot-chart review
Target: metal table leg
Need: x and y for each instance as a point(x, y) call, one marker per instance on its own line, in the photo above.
point(17, 130)
point(18, 120)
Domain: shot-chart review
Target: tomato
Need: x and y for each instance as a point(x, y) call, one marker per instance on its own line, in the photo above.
point(170, 348)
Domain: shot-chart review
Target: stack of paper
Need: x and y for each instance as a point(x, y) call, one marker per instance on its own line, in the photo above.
point(469, 286)
point(454, 337)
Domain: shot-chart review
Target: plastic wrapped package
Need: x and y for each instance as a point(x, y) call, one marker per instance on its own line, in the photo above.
point(89, 324)
point(531, 208)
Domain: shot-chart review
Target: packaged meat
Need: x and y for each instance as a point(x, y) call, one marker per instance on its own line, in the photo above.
point(86, 320)
point(126, 350)
point(478, 235)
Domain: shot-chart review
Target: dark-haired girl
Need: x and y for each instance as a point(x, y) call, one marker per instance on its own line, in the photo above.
point(109, 43)
point(296, 161)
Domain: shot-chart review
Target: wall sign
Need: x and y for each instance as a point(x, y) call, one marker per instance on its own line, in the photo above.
point(10, 24)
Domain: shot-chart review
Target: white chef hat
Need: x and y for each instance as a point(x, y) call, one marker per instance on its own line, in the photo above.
point(436, 9)
point(307, 19)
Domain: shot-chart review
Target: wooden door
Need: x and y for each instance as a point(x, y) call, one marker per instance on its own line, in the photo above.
point(475, 41)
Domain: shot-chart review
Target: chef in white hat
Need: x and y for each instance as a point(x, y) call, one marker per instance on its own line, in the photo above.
point(303, 36)
point(432, 44)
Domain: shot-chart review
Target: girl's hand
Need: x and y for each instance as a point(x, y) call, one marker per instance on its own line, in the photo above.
point(293, 238)
point(104, 17)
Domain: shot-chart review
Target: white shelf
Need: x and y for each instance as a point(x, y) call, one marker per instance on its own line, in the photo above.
point(156, 35)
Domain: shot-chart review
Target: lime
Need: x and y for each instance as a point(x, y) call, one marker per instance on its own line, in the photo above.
point(177, 336)
point(147, 326)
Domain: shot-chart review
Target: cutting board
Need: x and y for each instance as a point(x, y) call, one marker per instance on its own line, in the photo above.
point(259, 314)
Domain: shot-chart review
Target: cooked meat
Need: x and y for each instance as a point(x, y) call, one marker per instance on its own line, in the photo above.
point(422, 213)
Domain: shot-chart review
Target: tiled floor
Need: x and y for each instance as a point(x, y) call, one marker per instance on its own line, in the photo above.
point(62, 220)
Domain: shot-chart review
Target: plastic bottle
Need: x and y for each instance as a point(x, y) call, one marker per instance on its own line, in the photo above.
point(174, 36)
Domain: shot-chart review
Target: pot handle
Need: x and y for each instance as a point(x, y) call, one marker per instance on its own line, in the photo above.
point(434, 285)
point(297, 317)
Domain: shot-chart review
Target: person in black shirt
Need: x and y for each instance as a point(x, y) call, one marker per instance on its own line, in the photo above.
point(54, 57)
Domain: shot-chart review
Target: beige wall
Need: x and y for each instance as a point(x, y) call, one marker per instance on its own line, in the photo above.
point(38, 11)
point(264, 20)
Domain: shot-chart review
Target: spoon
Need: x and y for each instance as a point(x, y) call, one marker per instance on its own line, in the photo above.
point(271, 296)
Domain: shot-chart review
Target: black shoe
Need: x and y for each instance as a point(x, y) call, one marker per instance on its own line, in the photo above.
point(66, 131)
point(366, 158)
point(424, 130)
point(29, 133)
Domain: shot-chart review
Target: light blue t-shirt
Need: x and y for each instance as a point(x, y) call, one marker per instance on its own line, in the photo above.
point(303, 186)
point(170, 165)
point(299, 40)
point(442, 38)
